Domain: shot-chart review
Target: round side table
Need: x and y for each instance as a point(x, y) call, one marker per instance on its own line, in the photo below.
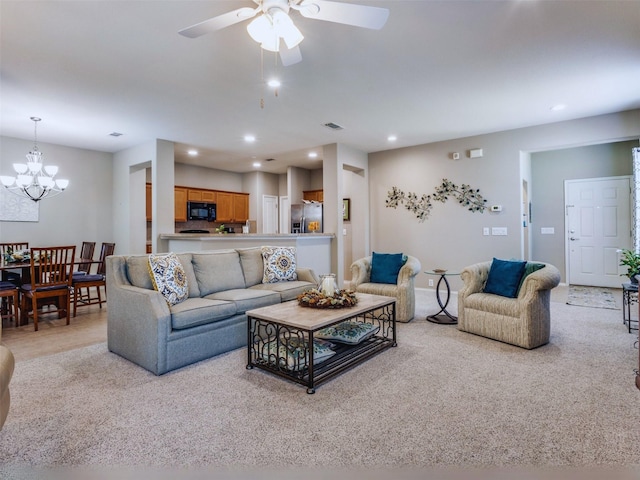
point(443, 317)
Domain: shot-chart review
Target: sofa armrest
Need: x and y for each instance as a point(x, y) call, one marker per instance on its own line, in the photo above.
point(546, 278)
point(360, 272)
point(473, 278)
point(408, 271)
point(138, 320)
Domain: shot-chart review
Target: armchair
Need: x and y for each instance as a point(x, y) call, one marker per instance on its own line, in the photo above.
point(7, 363)
point(403, 291)
point(524, 321)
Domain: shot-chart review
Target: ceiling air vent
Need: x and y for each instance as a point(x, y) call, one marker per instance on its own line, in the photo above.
point(333, 126)
point(269, 159)
point(115, 134)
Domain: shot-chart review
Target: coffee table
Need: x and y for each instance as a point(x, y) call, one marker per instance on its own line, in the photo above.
point(288, 323)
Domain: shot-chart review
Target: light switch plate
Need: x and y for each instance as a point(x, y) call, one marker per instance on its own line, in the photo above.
point(547, 230)
point(498, 230)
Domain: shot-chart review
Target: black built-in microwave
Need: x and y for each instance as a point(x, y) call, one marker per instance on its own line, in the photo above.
point(201, 211)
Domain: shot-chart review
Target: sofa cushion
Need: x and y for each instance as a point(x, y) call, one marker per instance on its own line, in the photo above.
point(199, 311)
point(386, 266)
point(287, 290)
point(218, 271)
point(168, 277)
point(504, 277)
point(279, 264)
point(187, 264)
point(138, 271)
point(247, 298)
point(252, 265)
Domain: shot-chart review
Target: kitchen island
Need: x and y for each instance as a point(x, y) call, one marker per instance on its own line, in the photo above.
point(313, 250)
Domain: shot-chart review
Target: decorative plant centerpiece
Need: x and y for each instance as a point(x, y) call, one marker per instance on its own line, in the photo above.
point(18, 256)
point(314, 298)
point(631, 260)
point(221, 229)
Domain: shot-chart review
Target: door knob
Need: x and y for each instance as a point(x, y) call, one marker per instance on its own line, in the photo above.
point(573, 239)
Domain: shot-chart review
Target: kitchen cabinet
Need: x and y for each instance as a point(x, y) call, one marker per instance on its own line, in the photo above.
point(313, 195)
point(148, 202)
point(232, 207)
point(180, 201)
point(199, 195)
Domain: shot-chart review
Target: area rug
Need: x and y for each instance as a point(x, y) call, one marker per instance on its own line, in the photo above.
point(595, 297)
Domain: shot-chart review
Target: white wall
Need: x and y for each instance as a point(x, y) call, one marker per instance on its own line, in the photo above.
point(452, 237)
point(83, 212)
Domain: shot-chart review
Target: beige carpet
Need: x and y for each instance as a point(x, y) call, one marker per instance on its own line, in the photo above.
point(442, 398)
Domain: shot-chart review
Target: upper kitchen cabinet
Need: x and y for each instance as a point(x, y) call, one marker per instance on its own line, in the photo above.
point(232, 207)
point(180, 200)
point(313, 195)
point(199, 195)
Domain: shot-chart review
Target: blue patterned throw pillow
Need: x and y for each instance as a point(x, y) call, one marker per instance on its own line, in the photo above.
point(279, 264)
point(348, 332)
point(169, 278)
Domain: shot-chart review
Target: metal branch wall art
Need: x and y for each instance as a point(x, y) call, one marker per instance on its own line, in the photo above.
point(466, 196)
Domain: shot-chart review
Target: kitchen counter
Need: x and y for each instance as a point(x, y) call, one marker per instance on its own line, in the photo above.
point(313, 250)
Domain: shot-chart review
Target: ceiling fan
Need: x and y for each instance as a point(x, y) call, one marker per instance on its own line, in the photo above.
point(274, 24)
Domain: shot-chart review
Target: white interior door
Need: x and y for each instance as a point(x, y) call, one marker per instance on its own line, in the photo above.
point(598, 224)
point(269, 214)
point(285, 215)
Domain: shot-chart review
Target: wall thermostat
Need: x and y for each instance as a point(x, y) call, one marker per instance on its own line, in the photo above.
point(496, 208)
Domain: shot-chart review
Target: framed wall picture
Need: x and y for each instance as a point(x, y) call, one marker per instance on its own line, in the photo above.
point(346, 209)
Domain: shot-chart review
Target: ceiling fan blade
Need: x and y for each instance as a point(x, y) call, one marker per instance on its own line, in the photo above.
point(346, 13)
point(290, 56)
point(219, 22)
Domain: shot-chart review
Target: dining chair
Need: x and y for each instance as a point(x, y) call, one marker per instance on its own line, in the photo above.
point(10, 300)
point(13, 276)
point(51, 277)
point(97, 280)
point(86, 253)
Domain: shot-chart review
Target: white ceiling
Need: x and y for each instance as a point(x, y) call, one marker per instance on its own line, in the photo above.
point(437, 70)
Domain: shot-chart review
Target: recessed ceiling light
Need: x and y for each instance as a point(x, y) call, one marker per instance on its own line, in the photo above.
point(192, 152)
point(274, 83)
point(256, 164)
point(392, 138)
point(558, 107)
point(313, 155)
point(249, 138)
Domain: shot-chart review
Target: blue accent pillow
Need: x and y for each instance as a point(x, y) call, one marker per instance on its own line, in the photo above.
point(386, 266)
point(504, 277)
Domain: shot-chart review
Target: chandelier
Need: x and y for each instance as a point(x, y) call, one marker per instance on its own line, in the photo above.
point(34, 180)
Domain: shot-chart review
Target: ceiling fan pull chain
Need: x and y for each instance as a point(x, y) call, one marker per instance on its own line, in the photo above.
point(262, 78)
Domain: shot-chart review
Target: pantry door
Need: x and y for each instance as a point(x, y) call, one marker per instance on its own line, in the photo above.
point(598, 225)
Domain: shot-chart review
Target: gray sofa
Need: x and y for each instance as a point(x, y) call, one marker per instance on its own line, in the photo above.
point(223, 284)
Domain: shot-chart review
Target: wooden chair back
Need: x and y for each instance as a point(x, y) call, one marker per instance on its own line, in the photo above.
point(6, 247)
point(106, 250)
point(52, 266)
point(86, 253)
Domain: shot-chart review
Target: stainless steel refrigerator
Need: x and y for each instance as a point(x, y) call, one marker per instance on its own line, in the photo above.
point(306, 218)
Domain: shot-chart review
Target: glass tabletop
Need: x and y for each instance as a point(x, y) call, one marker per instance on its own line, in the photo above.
point(439, 271)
